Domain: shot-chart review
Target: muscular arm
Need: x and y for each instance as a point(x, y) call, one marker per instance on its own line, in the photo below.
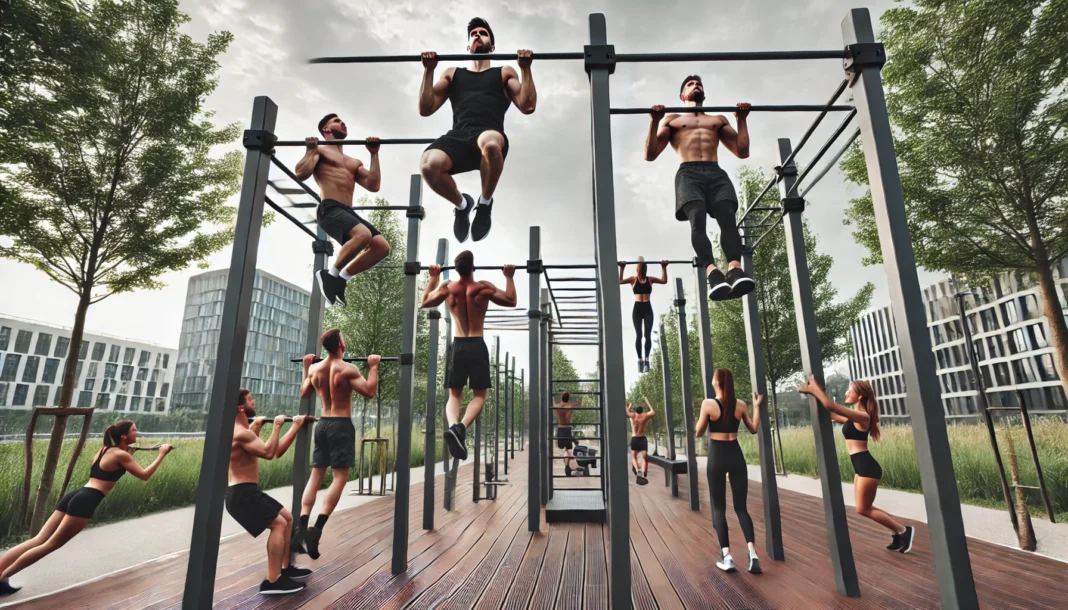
point(658, 138)
point(735, 141)
point(306, 166)
point(435, 292)
point(254, 445)
point(663, 276)
point(370, 179)
point(286, 441)
point(839, 413)
point(132, 467)
point(307, 390)
point(433, 95)
point(702, 418)
point(504, 298)
point(652, 411)
point(365, 386)
point(522, 93)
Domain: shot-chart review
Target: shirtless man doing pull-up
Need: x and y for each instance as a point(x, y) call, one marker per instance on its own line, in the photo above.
point(639, 445)
point(563, 429)
point(468, 365)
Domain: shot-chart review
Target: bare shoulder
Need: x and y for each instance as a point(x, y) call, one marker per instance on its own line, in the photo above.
point(487, 284)
point(669, 118)
point(722, 120)
point(449, 73)
point(243, 436)
point(508, 72)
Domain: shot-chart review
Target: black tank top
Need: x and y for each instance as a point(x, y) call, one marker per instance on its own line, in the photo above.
point(726, 423)
point(96, 472)
point(478, 99)
point(850, 432)
point(642, 287)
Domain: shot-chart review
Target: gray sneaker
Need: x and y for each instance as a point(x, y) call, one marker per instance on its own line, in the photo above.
point(726, 563)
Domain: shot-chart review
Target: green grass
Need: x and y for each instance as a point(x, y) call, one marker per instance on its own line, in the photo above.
point(973, 461)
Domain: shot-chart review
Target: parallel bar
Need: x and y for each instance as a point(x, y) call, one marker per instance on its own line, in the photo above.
point(292, 176)
point(570, 266)
point(1034, 458)
point(687, 397)
point(841, 549)
point(754, 108)
point(949, 545)
point(731, 56)
point(673, 479)
point(382, 59)
point(574, 279)
point(431, 416)
point(477, 267)
point(386, 141)
point(353, 359)
point(823, 149)
point(233, 333)
point(765, 234)
point(689, 262)
point(830, 164)
point(576, 381)
point(293, 219)
point(534, 417)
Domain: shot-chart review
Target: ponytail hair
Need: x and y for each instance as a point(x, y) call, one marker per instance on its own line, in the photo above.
point(870, 404)
point(114, 433)
point(725, 381)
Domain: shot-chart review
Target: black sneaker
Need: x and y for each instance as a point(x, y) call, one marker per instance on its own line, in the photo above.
point(740, 283)
point(906, 539)
point(567, 471)
point(642, 480)
point(461, 225)
point(754, 565)
point(282, 586)
point(454, 438)
point(332, 286)
point(6, 588)
point(296, 573)
point(311, 539)
point(718, 288)
point(481, 227)
point(641, 366)
point(895, 543)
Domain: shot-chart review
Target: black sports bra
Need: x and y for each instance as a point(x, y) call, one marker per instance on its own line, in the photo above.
point(96, 472)
point(641, 287)
point(726, 423)
point(851, 433)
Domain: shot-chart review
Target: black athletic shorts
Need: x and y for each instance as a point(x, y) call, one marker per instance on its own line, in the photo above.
point(864, 465)
point(703, 182)
point(462, 147)
point(563, 443)
point(251, 508)
point(81, 502)
point(338, 220)
point(468, 364)
point(335, 443)
point(639, 443)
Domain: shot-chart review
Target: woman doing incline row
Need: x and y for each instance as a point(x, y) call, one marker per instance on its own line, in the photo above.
point(76, 508)
point(721, 415)
point(858, 423)
point(642, 315)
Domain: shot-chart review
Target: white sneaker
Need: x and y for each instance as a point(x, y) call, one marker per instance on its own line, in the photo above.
point(726, 563)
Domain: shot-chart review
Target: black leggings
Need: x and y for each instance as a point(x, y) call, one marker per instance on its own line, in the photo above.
point(729, 238)
point(642, 314)
point(725, 458)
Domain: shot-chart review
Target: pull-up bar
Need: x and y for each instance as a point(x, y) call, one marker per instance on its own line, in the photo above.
point(385, 141)
point(830, 164)
point(754, 108)
point(618, 57)
point(352, 359)
point(386, 59)
point(653, 263)
point(290, 217)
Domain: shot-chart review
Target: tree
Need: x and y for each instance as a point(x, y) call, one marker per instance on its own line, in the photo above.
point(976, 92)
point(106, 165)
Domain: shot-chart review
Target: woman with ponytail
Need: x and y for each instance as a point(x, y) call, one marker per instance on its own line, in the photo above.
point(76, 508)
point(860, 419)
point(642, 314)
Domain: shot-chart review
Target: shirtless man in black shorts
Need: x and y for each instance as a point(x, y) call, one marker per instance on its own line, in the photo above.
point(251, 508)
point(468, 365)
point(639, 445)
point(362, 245)
point(480, 96)
point(335, 436)
point(563, 429)
point(702, 188)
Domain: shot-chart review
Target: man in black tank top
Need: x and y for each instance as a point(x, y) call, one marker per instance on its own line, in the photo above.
point(480, 95)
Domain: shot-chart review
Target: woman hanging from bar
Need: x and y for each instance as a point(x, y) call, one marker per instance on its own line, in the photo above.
point(860, 419)
point(722, 414)
point(642, 314)
point(76, 508)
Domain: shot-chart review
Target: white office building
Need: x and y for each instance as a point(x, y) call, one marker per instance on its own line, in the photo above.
point(114, 373)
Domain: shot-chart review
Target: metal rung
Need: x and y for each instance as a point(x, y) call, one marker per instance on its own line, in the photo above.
point(577, 457)
point(304, 205)
point(571, 438)
point(1004, 409)
point(576, 409)
point(1025, 486)
point(497, 483)
point(576, 381)
point(574, 279)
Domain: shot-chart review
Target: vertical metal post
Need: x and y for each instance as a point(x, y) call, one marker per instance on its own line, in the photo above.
point(845, 572)
point(534, 347)
point(211, 490)
point(511, 411)
point(687, 395)
point(508, 396)
point(672, 478)
point(522, 412)
point(430, 441)
point(407, 381)
point(547, 392)
point(450, 475)
point(949, 545)
point(492, 491)
point(1034, 458)
point(476, 487)
point(612, 389)
point(705, 339)
point(769, 486)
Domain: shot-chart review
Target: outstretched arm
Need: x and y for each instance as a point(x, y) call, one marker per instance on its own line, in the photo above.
point(506, 297)
point(622, 280)
point(659, 135)
point(839, 413)
point(702, 417)
point(132, 467)
point(663, 274)
point(435, 292)
point(306, 166)
point(652, 412)
point(306, 387)
point(366, 386)
point(751, 423)
point(287, 440)
point(522, 92)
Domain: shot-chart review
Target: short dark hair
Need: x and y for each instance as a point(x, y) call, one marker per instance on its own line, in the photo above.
point(242, 394)
point(479, 22)
point(326, 119)
point(332, 340)
point(465, 263)
point(688, 79)
point(565, 397)
point(639, 409)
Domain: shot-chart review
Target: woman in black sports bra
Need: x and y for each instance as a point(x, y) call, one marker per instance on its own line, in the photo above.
point(76, 508)
point(722, 415)
point(862, 412)
point(642, 314)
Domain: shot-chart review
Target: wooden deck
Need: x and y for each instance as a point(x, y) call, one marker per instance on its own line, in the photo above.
point(481, 556)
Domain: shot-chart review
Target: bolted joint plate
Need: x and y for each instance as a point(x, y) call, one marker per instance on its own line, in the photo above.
point(259, 139)
point(416, 211)
point(600, 56)
point(793, 204)
point(534, 265)
point(862, 55)
point(412, 268)
point(433, 314)
point(407, 358)
point(323, 246)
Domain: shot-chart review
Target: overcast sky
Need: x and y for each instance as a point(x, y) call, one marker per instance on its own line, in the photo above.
point(546, 181)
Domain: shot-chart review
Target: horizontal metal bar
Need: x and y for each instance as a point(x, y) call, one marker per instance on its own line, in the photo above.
point(761, 238)
point(572, 438)
point(823, 150)
point(290, 217)
point(352, 359)
point(285, 190)
point(266, 420)
point(590, 289)
point(1024, 486)
point(304, 206)
point(386, 141)
point(477, 267)
point(754, 108)
point(576, 381)
point(574, 279)
point(580, 299)
point(575, 409)
point(831, 163)
point(582, 392)
point(731, 56)
point(570, 266)
point(571, 343)
point(653, 263)
point(586, 310)
point(293, 177)
point(384, 59)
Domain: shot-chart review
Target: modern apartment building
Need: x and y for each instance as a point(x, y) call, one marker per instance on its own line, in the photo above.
point(278, 327)
point(113, 373)
point(1011, 338)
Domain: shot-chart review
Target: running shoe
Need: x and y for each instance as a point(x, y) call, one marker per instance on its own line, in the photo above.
point(718, 288)
point(754, 565)
point(740, 283)
point(332, 286)
point(726, 563)
point(481, 227)
point(282, 586)
point(461, 225)
point(907, 538)
point(296, 573)
point(895, 543)
point(455, 437)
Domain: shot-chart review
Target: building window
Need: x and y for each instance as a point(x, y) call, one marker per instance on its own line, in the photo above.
point(22, 341)
point(98, 351)
point(158, 356)
point(5, 337)
point(11, 367)
point(3, 394)
point(127, 373)
point(40, 396)
point(50, 368)
point(161, 405)
point(90, 384)
point(155, 375)
point(166, 360)
point(1009, 312)
point(142, 374)
point(20, 395)
point(1038, 336)
point(59, 393)
point(83, 349)
point(44, 342)
point(114, 355)
point(135, 403)
point(151, 389)
point(91, 373)
point(128, 355)
point(29, 374)
point(120, 403)
point(163, 389)
point(110, 370)
point(137, 388)
point(1045, 367)
point(102, 400)
point(143, 360)
point(62, 345)
point(84, 398)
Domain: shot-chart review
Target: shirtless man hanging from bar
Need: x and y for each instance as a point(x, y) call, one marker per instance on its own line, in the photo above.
point(563, 428)
point(639, 445)
point(468, 365)
point(702, 188)
point(337, 174)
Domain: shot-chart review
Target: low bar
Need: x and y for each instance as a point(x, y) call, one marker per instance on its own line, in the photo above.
point(730, 56)
point(753, 108)
point(268, 420)
point(289, 217)
point(386, 59)
point(823, 150)
point(352, 359)
point(387, 141)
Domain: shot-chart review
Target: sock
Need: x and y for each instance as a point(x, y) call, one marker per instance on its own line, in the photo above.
point(334, 271)
point(320, 521)
point(345, 275)
point(483, 201)
point(304, 522)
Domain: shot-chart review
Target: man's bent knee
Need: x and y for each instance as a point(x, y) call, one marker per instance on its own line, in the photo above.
point(360, 233)
point(433, 163)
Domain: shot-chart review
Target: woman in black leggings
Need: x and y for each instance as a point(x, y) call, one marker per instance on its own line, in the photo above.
point(642, 315)
point(721, 415)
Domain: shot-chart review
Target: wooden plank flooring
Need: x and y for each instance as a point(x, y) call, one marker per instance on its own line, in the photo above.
point(481, 556)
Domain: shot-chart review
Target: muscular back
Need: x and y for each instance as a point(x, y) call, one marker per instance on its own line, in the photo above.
point(336, 174)
point(563, 416)
point(637, 423)
point(333, 378)
point(244, 467)
point(467, 302)
point(695, 137)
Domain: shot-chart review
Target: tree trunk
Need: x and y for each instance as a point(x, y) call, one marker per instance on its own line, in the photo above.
point(1058, 329)
point(776, 445)
point(42, 502)
point(1025, 533)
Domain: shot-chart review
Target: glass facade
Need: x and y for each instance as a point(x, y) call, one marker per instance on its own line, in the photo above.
point(278, 328)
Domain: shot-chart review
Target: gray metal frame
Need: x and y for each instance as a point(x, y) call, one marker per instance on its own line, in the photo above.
point(430, 441)
point(687, 396)
point(534, 345)
point(545, 379)
point(949, 546)
point(672, 479)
